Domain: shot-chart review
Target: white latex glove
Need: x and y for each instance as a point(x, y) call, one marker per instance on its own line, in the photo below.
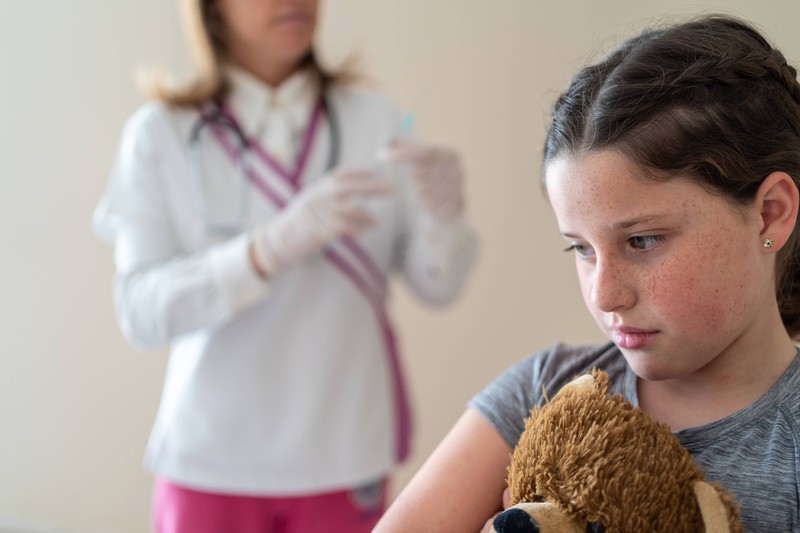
point(319, 214)
point(436, 171)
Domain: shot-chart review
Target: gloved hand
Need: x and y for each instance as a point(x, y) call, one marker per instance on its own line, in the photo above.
point(319, 214)
point(436, 171)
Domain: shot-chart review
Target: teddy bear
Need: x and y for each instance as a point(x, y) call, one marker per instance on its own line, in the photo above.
point(591, 462)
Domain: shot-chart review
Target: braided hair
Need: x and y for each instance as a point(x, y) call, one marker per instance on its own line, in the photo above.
point(710, 100)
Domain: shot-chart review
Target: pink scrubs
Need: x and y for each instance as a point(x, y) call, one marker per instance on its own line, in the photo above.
point(180, 510)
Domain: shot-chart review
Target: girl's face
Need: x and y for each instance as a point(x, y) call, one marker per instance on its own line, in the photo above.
point(674, 275)
point(281, 29)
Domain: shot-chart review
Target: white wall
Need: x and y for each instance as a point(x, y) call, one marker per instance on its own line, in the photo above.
point(76, 402)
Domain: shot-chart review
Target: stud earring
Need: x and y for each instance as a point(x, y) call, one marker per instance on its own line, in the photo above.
point(768, 243)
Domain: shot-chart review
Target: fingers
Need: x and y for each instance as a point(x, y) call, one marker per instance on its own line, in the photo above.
point(440, 195)
point(487, 527)
point(353, 219)
point(416, 153)
point(352, 184)
point(436, 169)
point(343, 210)
point(320, 214)
point(437, 175)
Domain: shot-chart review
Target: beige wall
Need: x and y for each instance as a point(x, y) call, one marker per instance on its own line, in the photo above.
point(76, 402)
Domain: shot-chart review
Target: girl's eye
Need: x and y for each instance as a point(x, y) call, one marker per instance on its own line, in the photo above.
point(580, 249)
point(645, 242)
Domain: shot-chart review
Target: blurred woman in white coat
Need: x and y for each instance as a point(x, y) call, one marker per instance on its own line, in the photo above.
point(255, 226)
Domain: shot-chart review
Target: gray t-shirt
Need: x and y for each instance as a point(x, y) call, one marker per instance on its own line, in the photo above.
point(754, 453)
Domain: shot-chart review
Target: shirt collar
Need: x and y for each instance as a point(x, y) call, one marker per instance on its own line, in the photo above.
point(253, 100)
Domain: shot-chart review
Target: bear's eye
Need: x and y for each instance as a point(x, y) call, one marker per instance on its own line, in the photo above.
point(595, 527)
point(538, 499)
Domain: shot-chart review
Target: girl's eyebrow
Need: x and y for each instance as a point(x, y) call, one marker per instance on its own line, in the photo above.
point(648, 219)
point(627, 224)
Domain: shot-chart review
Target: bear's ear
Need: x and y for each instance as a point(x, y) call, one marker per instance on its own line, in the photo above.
point(712, 507)
point(585, 382)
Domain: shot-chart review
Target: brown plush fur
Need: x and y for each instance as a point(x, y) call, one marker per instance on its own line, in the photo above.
point(599, 459)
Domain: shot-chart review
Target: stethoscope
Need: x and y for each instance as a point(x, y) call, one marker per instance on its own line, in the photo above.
point(215, 117)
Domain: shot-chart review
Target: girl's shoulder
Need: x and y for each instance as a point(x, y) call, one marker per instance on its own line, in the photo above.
point(561, 363)
point(507, 400)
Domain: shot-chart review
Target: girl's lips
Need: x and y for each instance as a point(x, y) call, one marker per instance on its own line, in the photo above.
point(632, 339)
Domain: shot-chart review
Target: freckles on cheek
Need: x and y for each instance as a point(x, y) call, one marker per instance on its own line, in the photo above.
point(690, 302)
point(703, 314)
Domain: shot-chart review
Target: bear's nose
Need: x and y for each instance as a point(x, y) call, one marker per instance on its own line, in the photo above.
point(515, 521)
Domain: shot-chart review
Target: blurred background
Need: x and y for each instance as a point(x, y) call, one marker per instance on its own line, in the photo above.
point(76, 402)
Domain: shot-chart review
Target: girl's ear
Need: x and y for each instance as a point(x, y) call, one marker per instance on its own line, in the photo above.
point(777, 200)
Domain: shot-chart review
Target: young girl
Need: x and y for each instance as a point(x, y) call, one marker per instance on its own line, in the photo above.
point(254, 233)
point(672, 168)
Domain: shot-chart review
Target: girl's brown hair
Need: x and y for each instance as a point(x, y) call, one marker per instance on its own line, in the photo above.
point(710, 100)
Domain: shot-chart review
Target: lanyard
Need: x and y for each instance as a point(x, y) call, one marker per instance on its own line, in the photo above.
point(358, 267)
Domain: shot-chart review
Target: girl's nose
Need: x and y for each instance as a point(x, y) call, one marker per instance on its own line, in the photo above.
point(612, 288)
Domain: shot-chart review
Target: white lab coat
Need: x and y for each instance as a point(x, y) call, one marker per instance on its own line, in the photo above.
point(279, 388)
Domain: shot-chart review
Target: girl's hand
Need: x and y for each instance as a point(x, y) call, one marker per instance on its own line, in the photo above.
point(487, 527)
